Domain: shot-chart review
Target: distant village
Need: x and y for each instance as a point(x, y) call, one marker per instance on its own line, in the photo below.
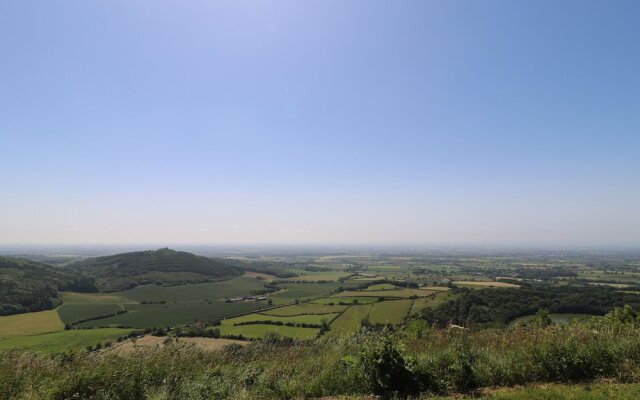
point(246, 299)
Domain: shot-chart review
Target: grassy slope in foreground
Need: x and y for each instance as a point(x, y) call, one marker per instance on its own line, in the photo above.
point(602, 391)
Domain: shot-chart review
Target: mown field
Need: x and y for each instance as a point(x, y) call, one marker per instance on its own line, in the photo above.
point(34, 323)
point(62, 341)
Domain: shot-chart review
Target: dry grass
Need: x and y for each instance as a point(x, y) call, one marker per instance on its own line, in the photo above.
point(206, 344)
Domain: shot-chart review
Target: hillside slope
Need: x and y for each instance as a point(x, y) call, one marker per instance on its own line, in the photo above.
point(27, 286)
point(164, 266)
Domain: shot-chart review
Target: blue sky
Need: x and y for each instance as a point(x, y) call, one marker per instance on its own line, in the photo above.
point(428, 122)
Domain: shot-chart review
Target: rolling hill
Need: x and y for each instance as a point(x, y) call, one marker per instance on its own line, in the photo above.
point(163, 267)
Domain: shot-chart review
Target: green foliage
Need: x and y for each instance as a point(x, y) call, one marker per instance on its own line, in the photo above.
point(495, 307)
point(27, 286)
point(384, 368)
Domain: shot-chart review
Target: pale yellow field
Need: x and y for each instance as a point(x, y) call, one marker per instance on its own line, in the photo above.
point(34, 323)
point(83, 298)
point(260, 275)
point(207, 344)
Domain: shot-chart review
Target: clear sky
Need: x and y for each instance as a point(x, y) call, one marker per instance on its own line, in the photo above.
point(428, 122)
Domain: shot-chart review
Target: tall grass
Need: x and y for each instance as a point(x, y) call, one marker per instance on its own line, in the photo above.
point(418, 359)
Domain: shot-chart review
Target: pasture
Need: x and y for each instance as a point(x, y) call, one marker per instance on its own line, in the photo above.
point(303, 318)
point(75, 339)
point(390, 312)
point(432, 301)
point(258, 331)
point(304, 308)
point(349, 321)
point(346, 300)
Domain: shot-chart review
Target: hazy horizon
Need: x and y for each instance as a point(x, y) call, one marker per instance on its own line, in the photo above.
point(422, 123)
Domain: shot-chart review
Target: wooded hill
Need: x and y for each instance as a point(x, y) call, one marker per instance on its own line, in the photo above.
point(27, 286)
point(164, 266)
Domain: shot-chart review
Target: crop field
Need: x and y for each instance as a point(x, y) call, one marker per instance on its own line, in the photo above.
point(390, 312)
point(201, 291)
point(150, 315)
point(34, 323)
point(304, 308)
point(484, 284)
point(70, 313)
point(74, 339)
point(401, 293)
point(349, 321)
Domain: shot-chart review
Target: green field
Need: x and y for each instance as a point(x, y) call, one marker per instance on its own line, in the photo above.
point(70, 313)
point(259, 330)
point(346, 300)
point(349, 321)
point(402, 293)
point(304, 308)
point(150, 315)
point(74, 339)
point(381, 286)
point(390, 312)
point(201, 291)
point(303, 291)
point(34, 323)
point(304, 318)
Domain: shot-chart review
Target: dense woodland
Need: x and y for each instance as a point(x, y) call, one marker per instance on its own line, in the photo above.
point(491, 307)
point(27, 286)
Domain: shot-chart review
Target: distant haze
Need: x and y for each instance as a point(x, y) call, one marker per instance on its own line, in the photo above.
point(320, 122)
